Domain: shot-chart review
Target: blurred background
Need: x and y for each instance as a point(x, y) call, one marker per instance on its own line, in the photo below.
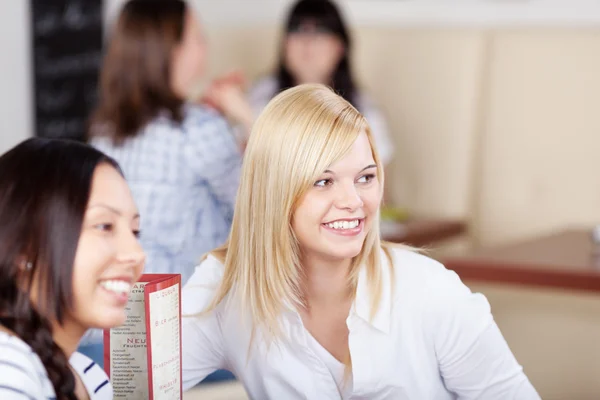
point(493, 109)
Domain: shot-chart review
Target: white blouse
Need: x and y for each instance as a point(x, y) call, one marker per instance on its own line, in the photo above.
point(266, 88)
point(336, 368)
point(431, 338)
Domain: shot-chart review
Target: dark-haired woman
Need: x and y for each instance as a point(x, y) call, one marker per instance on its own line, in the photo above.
point(181, 160)
point(316, 48)
point(69, 255)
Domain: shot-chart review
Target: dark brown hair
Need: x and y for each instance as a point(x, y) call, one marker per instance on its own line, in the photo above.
point(135, 80)
point(327, 17)
point(44, 190)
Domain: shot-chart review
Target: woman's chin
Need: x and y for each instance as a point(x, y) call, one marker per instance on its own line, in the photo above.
point(110, 320)
point(345, 252)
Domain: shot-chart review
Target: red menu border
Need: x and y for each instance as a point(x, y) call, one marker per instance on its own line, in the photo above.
point(154, 282)
point(160, 282)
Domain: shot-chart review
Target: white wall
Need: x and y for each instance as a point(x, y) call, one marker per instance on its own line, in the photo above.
point(15, 73)
point(481, 13)
point(15, 70)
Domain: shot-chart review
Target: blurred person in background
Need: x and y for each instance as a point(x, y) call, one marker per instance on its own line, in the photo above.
point(180, 159)
point(316, 48)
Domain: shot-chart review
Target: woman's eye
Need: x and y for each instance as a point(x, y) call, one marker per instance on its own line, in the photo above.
point(323, 182)
point(137, 233)
point(104, 227)
point(366, 178)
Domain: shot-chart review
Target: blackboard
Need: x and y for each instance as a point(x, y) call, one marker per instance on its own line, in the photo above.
point(67, 51)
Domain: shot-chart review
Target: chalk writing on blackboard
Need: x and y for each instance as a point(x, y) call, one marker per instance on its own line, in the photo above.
point(73, 16)
point(67, 65)
point(67, 53)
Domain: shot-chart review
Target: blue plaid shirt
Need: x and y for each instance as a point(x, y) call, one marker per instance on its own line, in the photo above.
point(184, 178)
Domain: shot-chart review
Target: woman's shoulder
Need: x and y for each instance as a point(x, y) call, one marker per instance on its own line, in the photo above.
point(364, 101)
point(265, 86)
point(424, 280)
point(209, 271)
point(412, 260)
point(193, 115)
point(195, 112)
point(199, 291)
point(412, 268)
point(21, 370)
point(262, 91)
point(12, 342)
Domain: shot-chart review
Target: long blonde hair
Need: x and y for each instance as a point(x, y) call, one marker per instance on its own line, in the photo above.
point(301, 132)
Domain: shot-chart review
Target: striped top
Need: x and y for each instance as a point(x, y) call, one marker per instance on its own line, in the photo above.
point(23, 376)
point(93, 377)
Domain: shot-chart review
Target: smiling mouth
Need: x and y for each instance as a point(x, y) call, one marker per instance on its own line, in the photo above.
point(344, 225)
point(118, 287)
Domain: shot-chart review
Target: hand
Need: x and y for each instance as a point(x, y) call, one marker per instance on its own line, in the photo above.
point(211, 92)
point(235, 77)
point(228, 97)
point(200, 92)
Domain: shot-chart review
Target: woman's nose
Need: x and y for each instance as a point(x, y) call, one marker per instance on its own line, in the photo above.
point(130, 250)
point(348, 198)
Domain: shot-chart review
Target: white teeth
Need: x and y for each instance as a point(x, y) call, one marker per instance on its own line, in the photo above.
point(119, 287)
point(343, 224)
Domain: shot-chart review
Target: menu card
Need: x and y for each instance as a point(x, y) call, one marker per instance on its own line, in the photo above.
point(142, 357)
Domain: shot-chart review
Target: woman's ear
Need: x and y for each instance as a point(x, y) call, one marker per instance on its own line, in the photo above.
point(24, 264)
point(341, 50)
point(24, 272)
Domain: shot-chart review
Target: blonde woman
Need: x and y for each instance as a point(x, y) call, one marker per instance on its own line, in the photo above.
point(306, 302)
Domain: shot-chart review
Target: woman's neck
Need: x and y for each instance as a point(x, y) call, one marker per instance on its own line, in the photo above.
point(323, 81)
point(326, 282)
point(6, 330)
point(67, 336)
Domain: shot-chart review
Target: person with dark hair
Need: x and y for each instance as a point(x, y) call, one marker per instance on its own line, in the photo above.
point(69, 256)
point(316, 48)
point(181, 160)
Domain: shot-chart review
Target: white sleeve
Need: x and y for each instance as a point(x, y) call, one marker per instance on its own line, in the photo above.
point(19, 378)
point(379, 128)
point(473, 357)
point(201, 338)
